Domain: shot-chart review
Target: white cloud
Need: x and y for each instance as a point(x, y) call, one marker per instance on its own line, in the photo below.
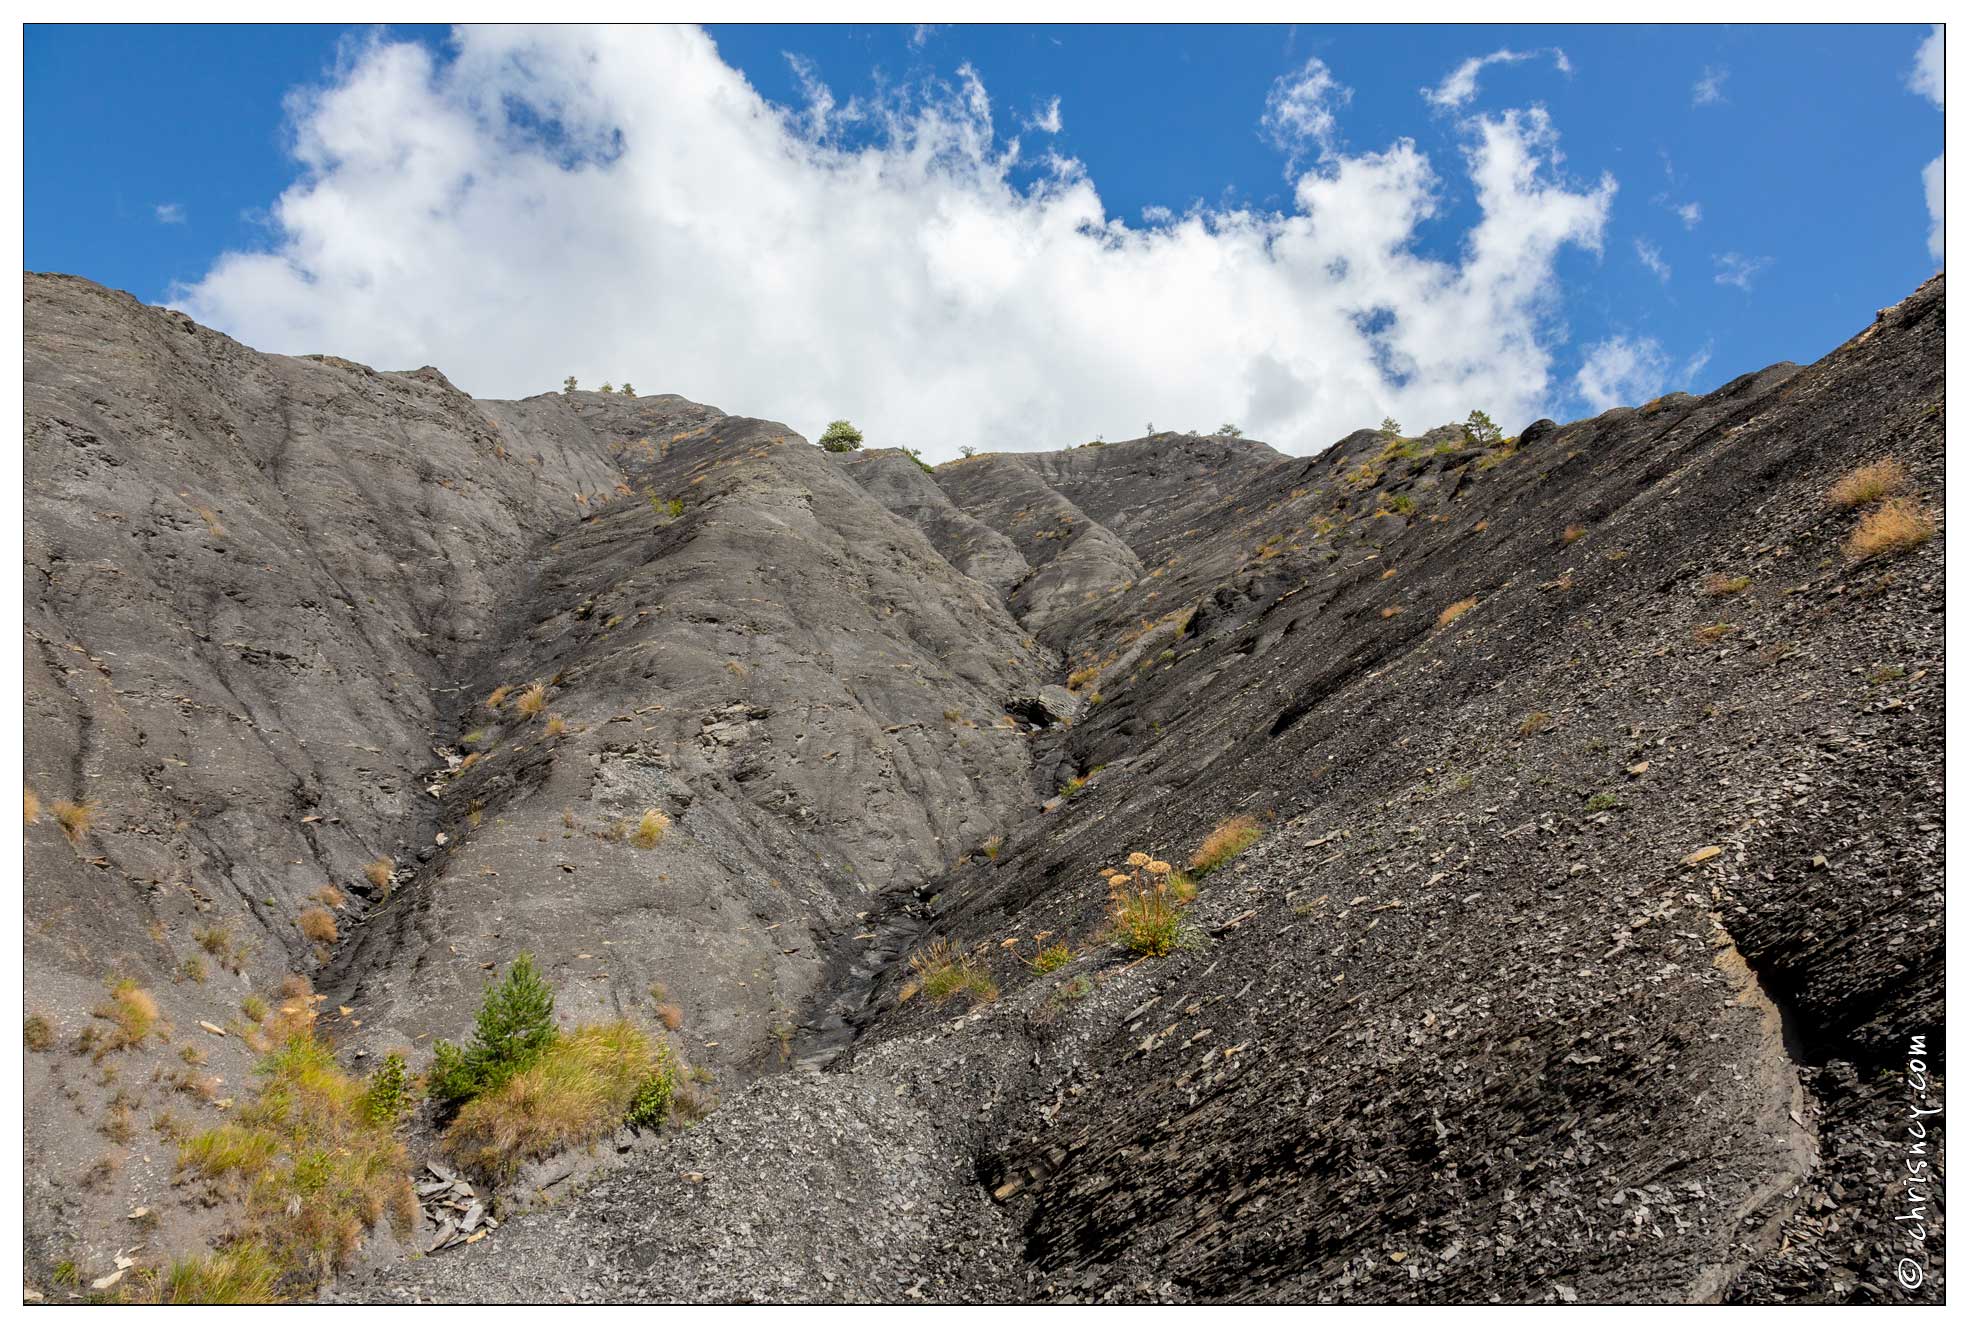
point(1926, 76)
point(1696, 364)
point(1737, 270)
point(1651, 259)
point(171, 214)
point(1690, 213)
point(621, 204)
point(1708, 90)
point(1931, 184)
point(1299, 110)
point(1459, 86)
point(1048, 120)
point(921, 36)
point(1621, 372)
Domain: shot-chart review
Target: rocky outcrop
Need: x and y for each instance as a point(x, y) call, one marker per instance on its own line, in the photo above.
point(1598, 894)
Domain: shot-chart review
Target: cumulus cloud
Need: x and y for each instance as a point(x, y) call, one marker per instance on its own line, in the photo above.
point(1708, 90)
point(1650, 255)
point(1737, 270)
point(1690, 213)
point(1925, 78)
point(1931, 184)
point(1622, 372)
point(1459, 86)
point(622, 204)
point(1299, 110)
point(171, 214)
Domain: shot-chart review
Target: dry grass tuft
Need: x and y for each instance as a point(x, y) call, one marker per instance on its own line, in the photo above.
point(530, 702)
point(317, 924)
point(672, 1016)
point(37, 1032)
point(331, 896)
point(584, 1086)
point(1389, 611)
point(1535, 723)
point(74, 818)
point(33, 807)
point(132, 1015)
point(1571, 533)
point(241, 1274)
point(1455, 611)
point(498, 695)
point(1713, 632)
point(650, 830)
point(1225, 842)
point(1894, 527)
point(1868, 484)
point(1717, 585)
point(556, 726)
point(380, 873)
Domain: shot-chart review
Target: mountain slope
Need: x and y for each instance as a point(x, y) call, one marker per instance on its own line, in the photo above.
point(1597, 895)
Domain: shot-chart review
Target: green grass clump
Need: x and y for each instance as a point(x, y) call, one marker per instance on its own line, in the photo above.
point(942, 971)
point(241, 1274)
point(313, 1171)
point(579, 1090)
point(1602, 802)
point(1056, 956)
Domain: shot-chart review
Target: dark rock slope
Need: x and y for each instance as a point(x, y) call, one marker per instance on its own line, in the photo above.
point(1598, 897)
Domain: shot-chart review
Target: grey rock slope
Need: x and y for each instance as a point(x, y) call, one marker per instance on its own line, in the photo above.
point(1577, 960)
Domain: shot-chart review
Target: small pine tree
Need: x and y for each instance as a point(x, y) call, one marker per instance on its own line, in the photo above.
point(567, 384)
point(515, 1026)
point(1482, 429)
point(608, 387)
point(841, 437)
point(967, 451)
point(1389, 427)
point(628, 390)
point(1228, 430)
point(387, 1095)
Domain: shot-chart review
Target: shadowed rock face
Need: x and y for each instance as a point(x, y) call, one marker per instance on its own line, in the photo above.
point(1480, 1016)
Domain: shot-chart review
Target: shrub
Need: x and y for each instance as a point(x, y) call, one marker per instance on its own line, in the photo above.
point(1455, 611)
point(841, 436)
point(38, 1033)
point(1147, 918)
point(313, 1171)
point(317, 924)
point(74, 817)
point(530, 701)
point(1894, 527)
point(579, 1090)
point(1716, 584)
point(1226, 841)
point(1868, 484)
point(650, 829)
point(515, 1028)
point(942, 972)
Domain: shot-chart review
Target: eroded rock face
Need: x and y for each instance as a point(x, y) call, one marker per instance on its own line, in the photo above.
point(1598, 895)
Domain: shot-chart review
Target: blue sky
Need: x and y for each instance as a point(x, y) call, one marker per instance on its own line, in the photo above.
point(1766, 197)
